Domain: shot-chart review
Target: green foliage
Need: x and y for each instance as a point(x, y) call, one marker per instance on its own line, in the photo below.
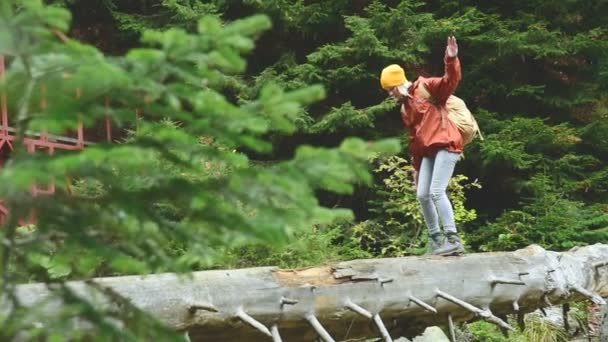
point(398, 227)
point(543, 330)
point(181, 187)
point(216, 172)
point(319, 246)
point(484, 331)
point(537, 328)
point(550, 221)
point(534, 74)
point(184, 14)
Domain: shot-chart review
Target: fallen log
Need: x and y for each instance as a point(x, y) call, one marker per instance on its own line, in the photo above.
point(384, 298)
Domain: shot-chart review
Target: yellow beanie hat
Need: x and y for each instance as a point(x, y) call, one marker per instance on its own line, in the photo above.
point(393, 75)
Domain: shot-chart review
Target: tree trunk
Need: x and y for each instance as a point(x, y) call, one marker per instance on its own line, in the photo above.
point(361, 298)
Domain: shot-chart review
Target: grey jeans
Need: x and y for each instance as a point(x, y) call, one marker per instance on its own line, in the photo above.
point(433, 177)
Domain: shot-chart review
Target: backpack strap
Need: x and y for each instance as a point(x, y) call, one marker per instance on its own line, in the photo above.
point(425, 93)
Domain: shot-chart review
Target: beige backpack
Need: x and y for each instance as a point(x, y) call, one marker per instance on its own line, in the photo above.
point(459, 114)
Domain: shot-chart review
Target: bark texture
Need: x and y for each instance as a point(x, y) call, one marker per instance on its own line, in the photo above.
point(361, 298)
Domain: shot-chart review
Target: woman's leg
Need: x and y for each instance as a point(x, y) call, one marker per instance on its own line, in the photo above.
point(423, 194)
point(442, 172)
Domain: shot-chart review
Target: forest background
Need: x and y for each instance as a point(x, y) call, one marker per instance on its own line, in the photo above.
point(295, 188)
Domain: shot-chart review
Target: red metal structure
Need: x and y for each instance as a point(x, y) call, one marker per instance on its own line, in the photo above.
point(37, 141)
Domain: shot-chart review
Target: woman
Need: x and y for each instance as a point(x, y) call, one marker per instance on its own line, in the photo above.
point(435, 143)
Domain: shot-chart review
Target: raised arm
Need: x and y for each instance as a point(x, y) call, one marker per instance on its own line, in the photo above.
point(441, 88)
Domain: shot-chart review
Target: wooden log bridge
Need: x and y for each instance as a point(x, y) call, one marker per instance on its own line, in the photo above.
point(384, 298)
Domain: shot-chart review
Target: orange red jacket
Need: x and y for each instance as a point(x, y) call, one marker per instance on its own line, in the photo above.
point(427, 121)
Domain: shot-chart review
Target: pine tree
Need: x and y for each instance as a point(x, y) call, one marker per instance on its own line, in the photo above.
point(534, 75)
point(172, 194)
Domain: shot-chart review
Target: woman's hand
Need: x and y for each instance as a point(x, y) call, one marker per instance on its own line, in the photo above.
point(451, 49)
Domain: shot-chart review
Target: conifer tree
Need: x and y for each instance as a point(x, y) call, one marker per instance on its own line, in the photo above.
point(534, 75)
point(174, 192)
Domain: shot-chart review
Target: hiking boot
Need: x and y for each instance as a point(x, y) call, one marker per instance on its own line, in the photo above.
point(433, 244)
point(452, 245)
